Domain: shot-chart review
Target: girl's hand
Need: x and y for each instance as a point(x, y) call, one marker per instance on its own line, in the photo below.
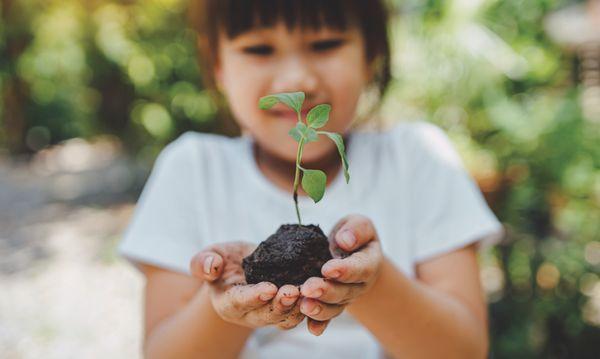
point(346, 277)
point(248, 305)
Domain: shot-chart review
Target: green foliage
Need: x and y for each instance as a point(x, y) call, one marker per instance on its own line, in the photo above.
point(313, 181)
point(339, 143)
point(293, 100)
point(304, 133)
point(318, 116)
point(488, 74)
point(298, 132)
point(77, 69)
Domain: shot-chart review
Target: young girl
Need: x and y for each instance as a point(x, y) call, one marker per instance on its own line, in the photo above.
point(410, 216)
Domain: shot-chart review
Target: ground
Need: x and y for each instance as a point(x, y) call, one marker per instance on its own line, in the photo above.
point(65, 292)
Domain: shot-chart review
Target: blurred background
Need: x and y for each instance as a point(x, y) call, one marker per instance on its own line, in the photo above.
point(91, 91)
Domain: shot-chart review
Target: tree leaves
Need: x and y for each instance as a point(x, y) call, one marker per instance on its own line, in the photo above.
point(313, 183)
point(293, 100)
point(339, 142)
point(318, 116)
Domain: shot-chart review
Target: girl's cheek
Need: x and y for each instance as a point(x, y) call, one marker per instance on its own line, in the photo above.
point(243, 89)
point(346, 92)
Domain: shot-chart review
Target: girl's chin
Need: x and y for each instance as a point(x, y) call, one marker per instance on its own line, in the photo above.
point(308, 156)
point(314, 154)
point(287, 151)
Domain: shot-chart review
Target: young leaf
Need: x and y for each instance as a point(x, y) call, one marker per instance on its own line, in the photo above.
point(301, 127)
point(296, 134)
point(301, 130)
point(267, 102)
point(318, 116)
point(294, 100)
point(313, 183)
point(311, 135)
point(339, 142)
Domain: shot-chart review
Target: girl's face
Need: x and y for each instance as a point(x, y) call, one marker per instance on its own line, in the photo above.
point(328, 65)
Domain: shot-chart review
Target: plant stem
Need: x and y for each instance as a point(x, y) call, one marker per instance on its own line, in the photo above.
point(297, 177)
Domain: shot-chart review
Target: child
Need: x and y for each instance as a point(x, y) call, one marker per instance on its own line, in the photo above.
point(411, 287)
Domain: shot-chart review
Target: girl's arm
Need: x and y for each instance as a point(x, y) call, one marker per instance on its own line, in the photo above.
point(211, 313)
point(441, 315)
point(181, 322)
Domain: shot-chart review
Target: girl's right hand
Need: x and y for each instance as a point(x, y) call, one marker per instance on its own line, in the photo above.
point(248, 305)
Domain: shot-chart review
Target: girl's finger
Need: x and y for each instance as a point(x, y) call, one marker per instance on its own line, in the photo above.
point(245, 298)
point(316, 327)
point(359, 267)
point(331, 292)
point(355, 232)
point(317, 310)
point(285, 299)
point(291, 321)
point(207, 265)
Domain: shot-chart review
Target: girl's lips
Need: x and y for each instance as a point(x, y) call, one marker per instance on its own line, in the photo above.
point(288, 114)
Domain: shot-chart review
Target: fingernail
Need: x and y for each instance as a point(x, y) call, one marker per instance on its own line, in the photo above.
point(287, 301)
point(208, 264)
point(317, 293)
point(321, 328)
point(348, 239)
point(333, 274)
point(265, 296)
point(316, 310)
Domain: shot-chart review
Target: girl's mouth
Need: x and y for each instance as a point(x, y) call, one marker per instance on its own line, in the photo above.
point(288, 115)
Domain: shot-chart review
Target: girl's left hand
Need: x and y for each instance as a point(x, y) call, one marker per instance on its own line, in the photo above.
point(346, 277)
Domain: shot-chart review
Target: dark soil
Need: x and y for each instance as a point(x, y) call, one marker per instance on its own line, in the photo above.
point(290, 256)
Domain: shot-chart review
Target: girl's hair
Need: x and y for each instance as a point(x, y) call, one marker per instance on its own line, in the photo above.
point(234, 17)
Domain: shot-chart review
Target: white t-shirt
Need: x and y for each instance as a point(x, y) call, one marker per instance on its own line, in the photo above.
point(409, 181)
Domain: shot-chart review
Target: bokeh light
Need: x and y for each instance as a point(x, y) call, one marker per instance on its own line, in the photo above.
point(90, 92)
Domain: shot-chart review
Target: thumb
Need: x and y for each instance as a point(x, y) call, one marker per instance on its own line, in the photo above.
point(354, 232)
point(207, 265)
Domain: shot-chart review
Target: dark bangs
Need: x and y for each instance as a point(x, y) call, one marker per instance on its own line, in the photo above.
point(239, 16)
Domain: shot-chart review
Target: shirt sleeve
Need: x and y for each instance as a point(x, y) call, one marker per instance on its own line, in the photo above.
point(449, 209)
point(164, 227)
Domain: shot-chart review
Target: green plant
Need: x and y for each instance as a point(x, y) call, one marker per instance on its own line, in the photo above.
point(313, 181)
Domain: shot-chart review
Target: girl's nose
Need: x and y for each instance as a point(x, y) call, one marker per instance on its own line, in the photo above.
point(296, 74)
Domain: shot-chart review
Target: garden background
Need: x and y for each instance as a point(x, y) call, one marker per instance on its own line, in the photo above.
point(91, 91)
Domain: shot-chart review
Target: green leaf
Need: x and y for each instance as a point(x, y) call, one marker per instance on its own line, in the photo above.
point(339, 142)
point(267, 102)
point(293, 100)
point(301, 130)
point(301, 127)
point(296, 134)
point(313, 183)
point(318, 116)
point(311, 135)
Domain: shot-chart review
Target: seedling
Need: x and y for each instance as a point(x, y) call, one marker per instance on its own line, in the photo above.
point(313, 180)
point(296, 252)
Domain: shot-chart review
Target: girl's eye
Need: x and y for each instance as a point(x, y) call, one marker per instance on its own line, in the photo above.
point(325, 45)
point(261, 50)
